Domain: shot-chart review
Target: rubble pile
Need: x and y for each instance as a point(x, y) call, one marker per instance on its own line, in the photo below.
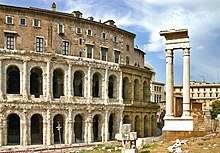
point(176, 148)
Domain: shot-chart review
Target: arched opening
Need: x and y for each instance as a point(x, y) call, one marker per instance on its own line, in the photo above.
point(136, 90)
point(13, 80)
point(36, 129)
point(58, 82)
point(153, 125)
point(146, 126)
point(126, 89)
point(78, 129)
point(145, 91)
point(96, 128)
point(112, 87)
point(138, 126)
point(58, 123)
point(13, 129)
point(96, 85)
point(126, 120)
point(78, 84)
point(36, 82)
point(111, 127)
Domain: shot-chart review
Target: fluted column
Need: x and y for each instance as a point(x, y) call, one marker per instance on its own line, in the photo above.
point(169, 82)
point(186, 82)
point(25, 91)
point(48, 81)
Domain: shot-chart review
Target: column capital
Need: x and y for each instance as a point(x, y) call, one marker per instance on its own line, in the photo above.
point(186, 51)
point(169, 52)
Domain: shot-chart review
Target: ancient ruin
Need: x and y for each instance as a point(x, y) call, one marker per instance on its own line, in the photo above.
point(62, 69)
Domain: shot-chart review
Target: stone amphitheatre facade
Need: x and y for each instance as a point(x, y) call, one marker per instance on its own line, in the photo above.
point(60, 68)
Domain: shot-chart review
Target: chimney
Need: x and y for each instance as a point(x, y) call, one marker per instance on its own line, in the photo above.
point(53, 7)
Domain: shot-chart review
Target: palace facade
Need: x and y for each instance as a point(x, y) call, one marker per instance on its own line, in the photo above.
point(62, 70)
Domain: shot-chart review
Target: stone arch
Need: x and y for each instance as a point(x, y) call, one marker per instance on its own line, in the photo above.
point(112, 86)
point(78, 128)
point(145, 91)
point(36, 129)
point(97, 85)
point(58, 120)
point(146, 126)
point(58, 83)
point(126, 89)
point(78, 83)
point(97, 126)
point(136, 90)
point(137, 126)
point(13, 80)
point(36, 82)
point(112, 126)
point(153, 125)
point(126, 119)
point(13, 129)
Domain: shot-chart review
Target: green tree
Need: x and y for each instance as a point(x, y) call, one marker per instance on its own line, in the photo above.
point(215, 109)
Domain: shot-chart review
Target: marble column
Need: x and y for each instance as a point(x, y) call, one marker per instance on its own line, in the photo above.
point(120, 88)
point(48, 81)
point(169, 82)
point(186, 82)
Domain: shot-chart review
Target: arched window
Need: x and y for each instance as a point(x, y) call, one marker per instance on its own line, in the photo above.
point(36, 82)
point(97, 128)
point(126, 120)
point(58, 82)
point(13, 80)
point(78, 84)
point(138, 126)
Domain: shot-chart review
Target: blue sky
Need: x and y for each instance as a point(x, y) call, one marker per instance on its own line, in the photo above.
point(146, 18)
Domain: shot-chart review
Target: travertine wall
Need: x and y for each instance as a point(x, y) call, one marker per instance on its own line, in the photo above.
point(26, 118)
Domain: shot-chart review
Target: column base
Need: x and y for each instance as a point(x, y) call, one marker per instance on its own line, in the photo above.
point(178, 123)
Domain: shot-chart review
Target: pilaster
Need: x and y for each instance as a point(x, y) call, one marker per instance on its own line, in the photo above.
point(49, 81)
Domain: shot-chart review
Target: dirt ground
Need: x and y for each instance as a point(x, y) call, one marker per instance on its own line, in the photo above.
point(194, 145)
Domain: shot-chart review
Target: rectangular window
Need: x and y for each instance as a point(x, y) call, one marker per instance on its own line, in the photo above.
point(115, 39)
point(89, 51)
point(9, 19)
point(39, 44)
point(10, 42)
point(65, 48)
point(89, 32)
point(36, 22)
point(127, 47)
point(60, 28)
point(80, 41)
point(117, 56)
point(103, 35)
point(78, 30)
point(127, 60)
point(22, 21)
point(104, 53)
